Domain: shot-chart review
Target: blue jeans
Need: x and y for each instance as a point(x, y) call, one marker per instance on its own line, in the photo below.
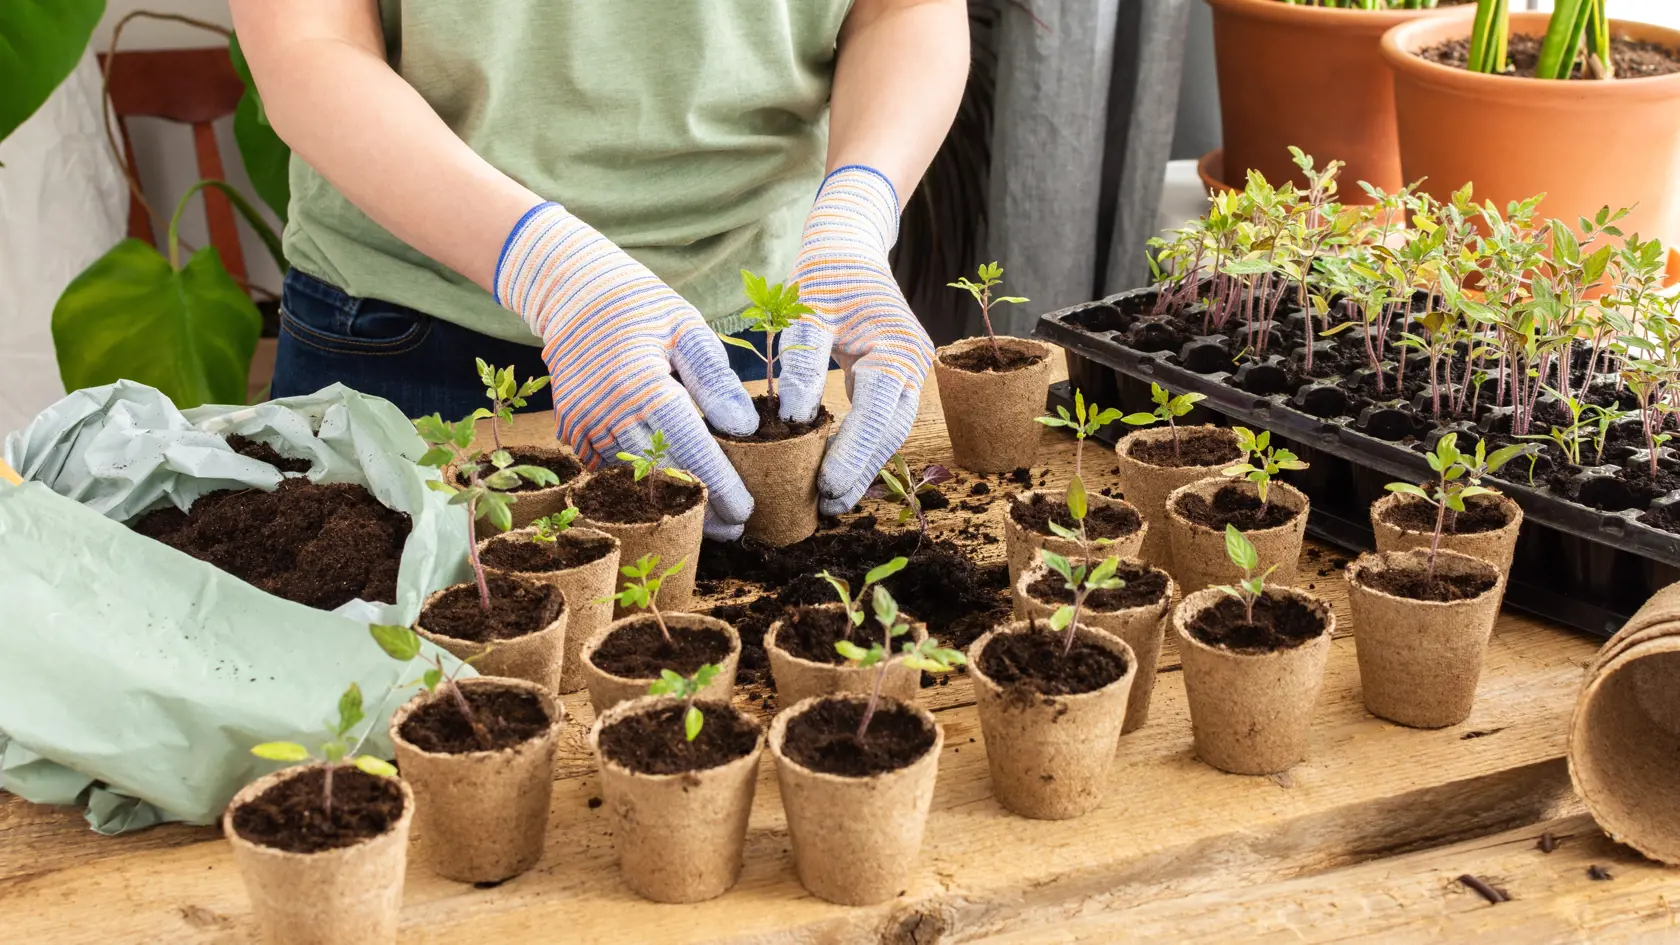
point(422, 364)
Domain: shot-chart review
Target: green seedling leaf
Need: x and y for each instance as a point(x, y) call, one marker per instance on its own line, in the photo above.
point(399, 643)
point(692, 722)
point(1240, 550)
point(375, 766)
point(289, 752)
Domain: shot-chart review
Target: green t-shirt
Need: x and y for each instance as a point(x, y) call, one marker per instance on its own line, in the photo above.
point(692, 133)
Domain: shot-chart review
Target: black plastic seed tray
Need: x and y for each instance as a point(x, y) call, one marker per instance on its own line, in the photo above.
point(1574, 564)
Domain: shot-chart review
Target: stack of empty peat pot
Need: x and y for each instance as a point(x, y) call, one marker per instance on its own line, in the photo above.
point(1624, 740)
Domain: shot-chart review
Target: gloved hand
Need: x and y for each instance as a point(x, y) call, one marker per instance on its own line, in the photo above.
point(862, 318)
point(612, 333)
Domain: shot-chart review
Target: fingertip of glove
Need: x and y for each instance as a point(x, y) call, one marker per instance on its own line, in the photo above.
point(718, 531)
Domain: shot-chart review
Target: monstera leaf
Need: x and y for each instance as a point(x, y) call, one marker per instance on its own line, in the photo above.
point(40, 42)
point(267, 158)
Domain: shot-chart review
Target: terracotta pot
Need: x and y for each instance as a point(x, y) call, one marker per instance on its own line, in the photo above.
point(537, 656)
point(1624, 746)
point(352, 894)
point(1051, 757)
point(679, 836)
point(1198, 552)
point(673, 538)
point(1419, 661)
point(1310, 77)
point(1023, 545)
point(855, 840)
point(1142, 628)
point(1251, 713)
point(781, 476)
point(1496, 547)
point(607, 690)
point(483, 814)
point(1583, 143)
point(532, 504)
point(1146, 486)
point(798, 678)
point(588, 589)
point(990, 416)
point(1210, 168)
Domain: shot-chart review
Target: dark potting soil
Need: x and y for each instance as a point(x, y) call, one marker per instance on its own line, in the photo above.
point(980, 358)
point(289, 815)
point(262, 452)
point(638, 650)
point(1198, 447)
point(1101, 521)
point(322, 546)
point(656, 742)
point(614, 495)
point(811, 634)
point(1280, 623)
point(1035, 661)
point(510, 717)
point(565, 468)
point(569, 550)
point(824, 738)
point(1482, 513)
point(772, 428)
point(1416, 585)
point(1144, 586)
point(1233, 505)
point(516, 608)
point(1633, 58)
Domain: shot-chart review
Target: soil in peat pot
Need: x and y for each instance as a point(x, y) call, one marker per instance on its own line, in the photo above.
point(1482, 513)
point(1416, 585)
point(654, 742)
point(1634, 59)
point(1036, 661)
point(1144, 586)
point(824, 739)
point(317, 545)
point(1195, 448)
point(516, 608)
point(569, 550)
point(771, 427)
point(614, 495)
point(565, 468)
point(1234, 506)
point(1101, 521)
point(980, 358)
point(1280, 623)
point(638, 650)
point(811, 634)
point(288, 816)
point(262, 452)
point(510, 716)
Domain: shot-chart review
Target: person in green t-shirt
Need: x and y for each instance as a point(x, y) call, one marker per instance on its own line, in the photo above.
point(574, 186)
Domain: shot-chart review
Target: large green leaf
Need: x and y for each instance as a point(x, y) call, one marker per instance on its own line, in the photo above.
point(267, 158)
point(40, 42)
point(130, 315)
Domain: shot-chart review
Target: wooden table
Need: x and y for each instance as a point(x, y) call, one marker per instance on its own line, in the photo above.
point(1363, 841)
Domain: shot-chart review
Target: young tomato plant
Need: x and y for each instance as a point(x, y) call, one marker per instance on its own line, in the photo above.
point(1457, 478)
point(927, 656)
point(644, 594)
point(907, 490)
point(1167, 409)
point(1083, 422)
point(505, 395)
point(548, 529)
point(1260, 461)
point(335, 752)
point(877, 574)
point(991, 276)
point(403, 645)
point(773, 309)
point(1078, 505)
point(686, 688)
point(646, 464)
point(1242, 554)
point(1082, 580)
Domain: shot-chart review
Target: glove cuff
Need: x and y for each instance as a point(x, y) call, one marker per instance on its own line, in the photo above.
point(861, 199)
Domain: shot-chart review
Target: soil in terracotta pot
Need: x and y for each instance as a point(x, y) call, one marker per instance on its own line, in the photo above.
point(1416, 585)
point(1633, 58)
point(1198, 447)
point(319, 545)
point(569, 550)
point(1036, 661)
point(1280, 623)
point(510, 716)
point(1481, 514)
point(1235, 506)
point(289, 816)
point(771, 427)
point(614, 495)
point(639, 650)
point(981, 358)
point(825, 739)
point(1144, 586)
point(811, 634)
point(1101, 521)
point(262, 452)
point(655, 742)
point(516, 608)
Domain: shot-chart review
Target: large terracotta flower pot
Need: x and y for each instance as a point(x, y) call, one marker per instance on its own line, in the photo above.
point(1310, 77)
point(1583, 143)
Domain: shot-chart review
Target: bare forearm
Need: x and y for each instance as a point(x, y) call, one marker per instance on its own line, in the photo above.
point(898, 80)
point(330, 95)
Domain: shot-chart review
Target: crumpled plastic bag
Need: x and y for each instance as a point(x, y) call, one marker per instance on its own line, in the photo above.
point(134, 678)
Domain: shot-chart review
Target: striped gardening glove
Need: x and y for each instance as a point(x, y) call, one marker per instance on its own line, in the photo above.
point(612, 334)
point(862, 318)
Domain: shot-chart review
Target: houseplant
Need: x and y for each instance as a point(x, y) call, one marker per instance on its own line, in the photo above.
point(677, 780)
point(857, 771)
point(1254, 660)
point(1152, 463)
point(990, 388)
point(1455, 512)
point(652, 510)
point(1271, 515)
point(628, 655)
point(801, 646)
point(779, 461)
point(506, 394)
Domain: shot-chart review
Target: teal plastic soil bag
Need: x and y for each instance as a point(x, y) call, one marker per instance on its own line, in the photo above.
point(133, 678)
